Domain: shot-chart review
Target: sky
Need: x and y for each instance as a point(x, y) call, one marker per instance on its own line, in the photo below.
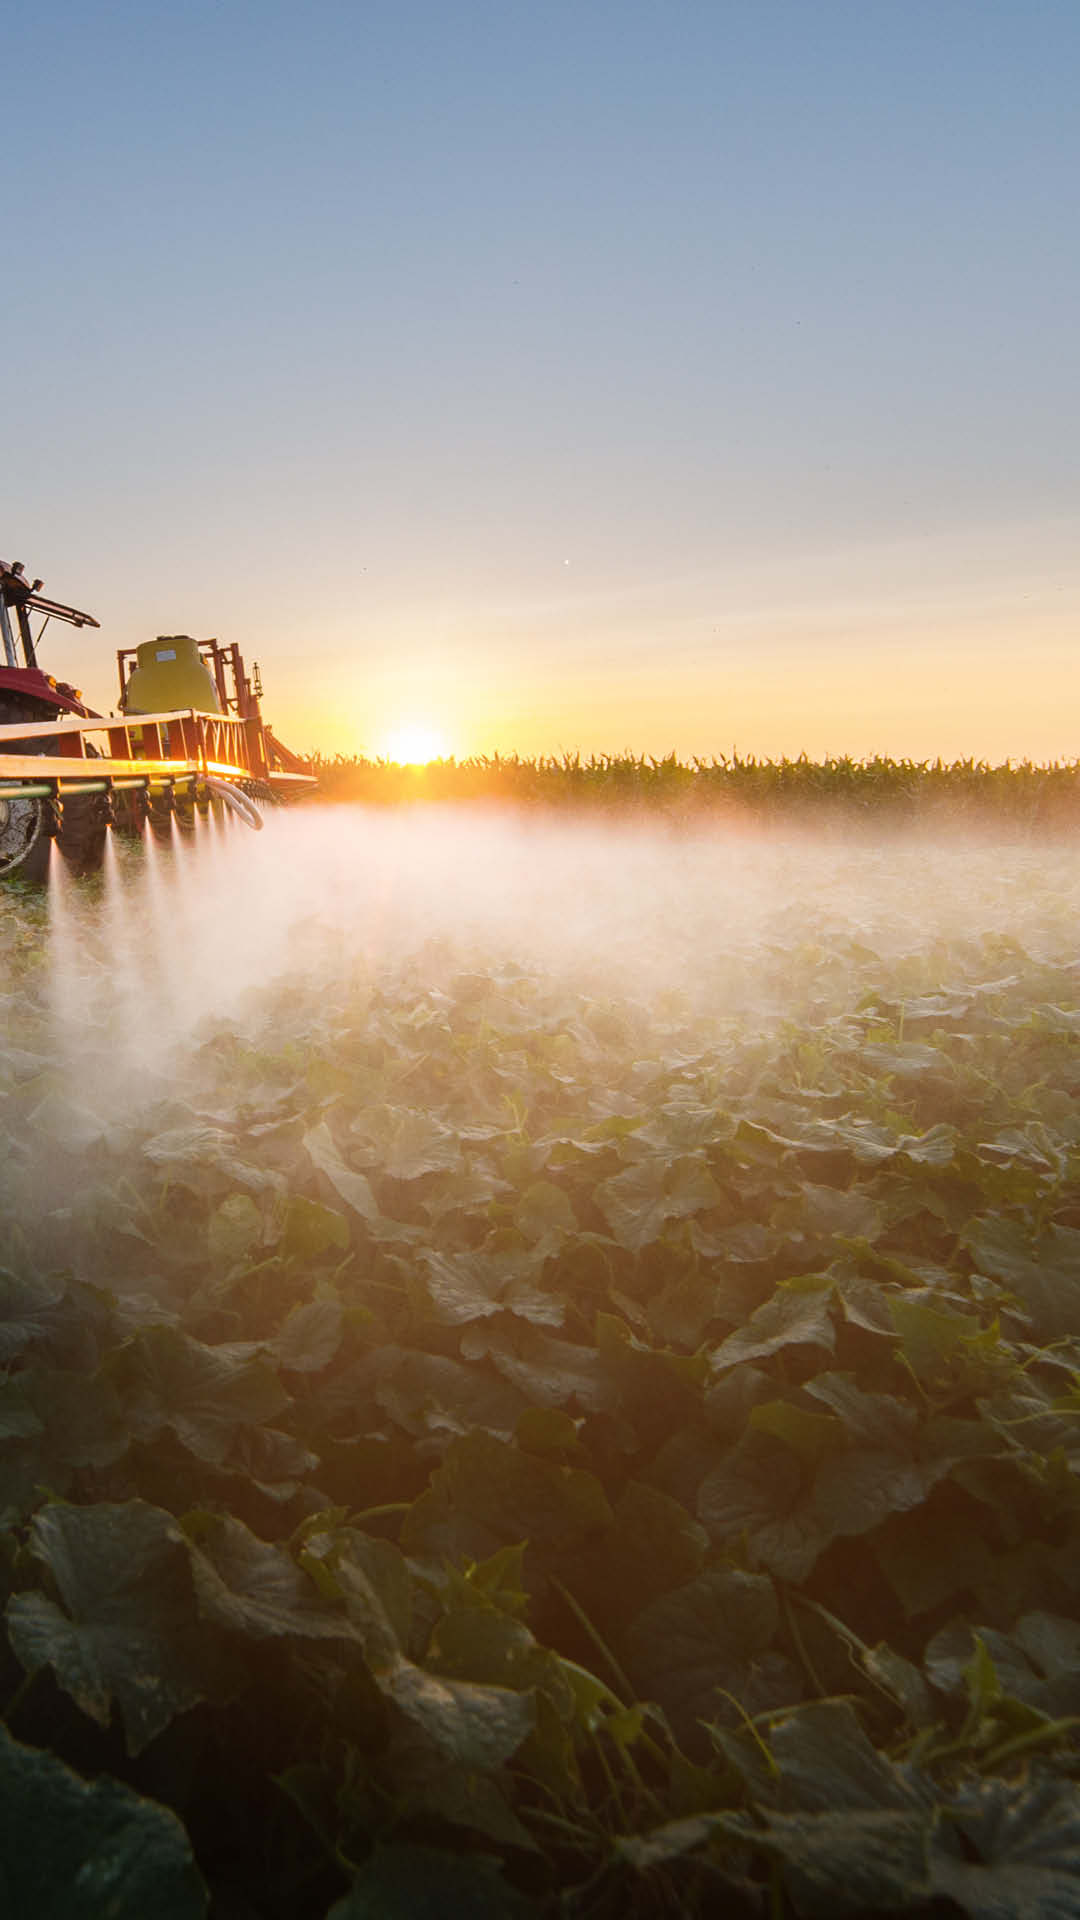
point(648, 375)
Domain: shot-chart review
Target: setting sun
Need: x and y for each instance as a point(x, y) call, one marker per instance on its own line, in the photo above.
point(414, 746)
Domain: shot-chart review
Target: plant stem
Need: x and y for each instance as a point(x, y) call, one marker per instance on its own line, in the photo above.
point(809, 1668)
point(597, 1639)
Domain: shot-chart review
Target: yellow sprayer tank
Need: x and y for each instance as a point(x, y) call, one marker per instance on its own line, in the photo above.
point(169, 677)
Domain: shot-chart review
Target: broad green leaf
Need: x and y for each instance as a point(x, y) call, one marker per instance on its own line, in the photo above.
point(1026, 1836)
point(310, 1229)
point(274, 1460)
point(486, 1644)
point(762, 1494)
point(930, 1338)
point(653, 1545)
point(877, 1420)
point(127, 1630)
point(460, 1723)
point(856, 1489)
point(371, 1580)
point(1043, 1273)
point(18, 1420)
point(202, 1394)
point(548, 1370)
point(932, 1556)
point(851, 1864)
point(234, 1227)
point(309, 1338)
point(73, 1849)
point(1038, 1663)
point(67, 1124)
point(432, 1395)
point(488, 1493)
point(81, 1416)
point(828, 1764)
point(849, 1212)
point(204, 1158)
point(692, 1648)
point(421, 1883)
point(544, 1209)
point(671, 1841)
point(30, 1308)
point(349, 1186)
point(910, 1059)
point(498, 1580)
point(639, 1202)
point(408, 1142)
point(787, 1320)
point(1052, 1644)
point(78, 1429)
point(813, 1436)
point(468, 1286)
point(254, 1588)
point(901, 1679)
point(748, 1244)
point(934, 1148)
point(545, 1430)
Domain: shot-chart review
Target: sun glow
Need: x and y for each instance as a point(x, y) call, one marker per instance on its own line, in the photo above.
point(414, 746)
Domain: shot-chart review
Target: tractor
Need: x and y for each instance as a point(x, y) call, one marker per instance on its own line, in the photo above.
point(188, 732)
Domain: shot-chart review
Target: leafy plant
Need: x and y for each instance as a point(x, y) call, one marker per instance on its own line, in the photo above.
point(491, 1450)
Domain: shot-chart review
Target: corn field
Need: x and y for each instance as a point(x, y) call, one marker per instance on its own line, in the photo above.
point(1017, 794)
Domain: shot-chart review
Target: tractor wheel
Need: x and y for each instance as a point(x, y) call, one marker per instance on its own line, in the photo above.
point(25, 823)
point(82, 833)
point(24, 840)
point(25, 837)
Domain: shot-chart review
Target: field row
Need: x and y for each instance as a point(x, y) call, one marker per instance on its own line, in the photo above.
point(969, 791)
point(477, 1443)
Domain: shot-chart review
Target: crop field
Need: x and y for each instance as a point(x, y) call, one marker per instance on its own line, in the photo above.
point(542, 1375)
point(740, 789)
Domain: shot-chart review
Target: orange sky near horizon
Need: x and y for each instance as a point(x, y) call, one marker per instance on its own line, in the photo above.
point(977, 661)
point(910, 652)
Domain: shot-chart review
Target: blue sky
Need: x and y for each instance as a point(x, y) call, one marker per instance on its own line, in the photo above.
point(603, 375)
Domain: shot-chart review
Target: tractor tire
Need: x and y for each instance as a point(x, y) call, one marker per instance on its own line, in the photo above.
point(81, 839)
point(26, 838)
point(25, 823)
point(25, 842)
